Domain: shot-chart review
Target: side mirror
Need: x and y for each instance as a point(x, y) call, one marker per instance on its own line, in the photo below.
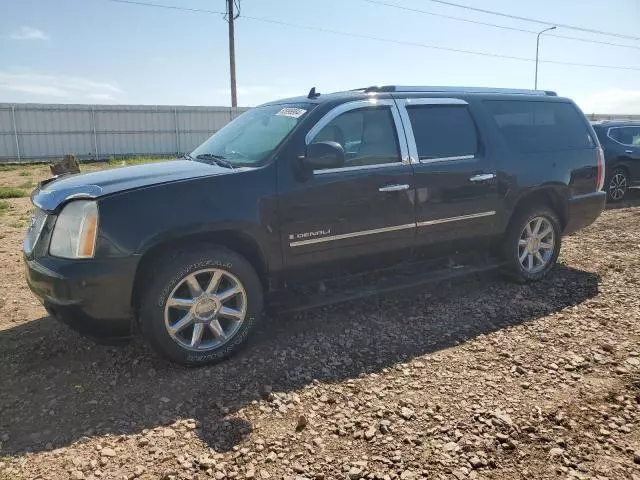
point(323, 155)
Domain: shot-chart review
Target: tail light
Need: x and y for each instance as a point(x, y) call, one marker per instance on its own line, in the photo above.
point(600, 174)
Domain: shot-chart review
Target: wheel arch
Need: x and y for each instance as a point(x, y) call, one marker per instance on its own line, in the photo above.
point(553, 196)
point(237, 241)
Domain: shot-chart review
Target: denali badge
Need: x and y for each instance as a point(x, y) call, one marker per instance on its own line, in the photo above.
point(317, 233)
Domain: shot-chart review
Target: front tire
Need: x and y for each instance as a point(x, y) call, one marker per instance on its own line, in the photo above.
point(617, 185)
point(201, 305)
point(532, 244)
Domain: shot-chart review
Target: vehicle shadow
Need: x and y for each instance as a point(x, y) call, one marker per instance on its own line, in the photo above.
point(57, 387)
point(632, 199)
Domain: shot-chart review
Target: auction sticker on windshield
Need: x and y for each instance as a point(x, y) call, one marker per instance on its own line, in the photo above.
point(291, 112)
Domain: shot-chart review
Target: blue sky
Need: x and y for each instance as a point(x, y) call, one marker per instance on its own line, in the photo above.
point(96, 51)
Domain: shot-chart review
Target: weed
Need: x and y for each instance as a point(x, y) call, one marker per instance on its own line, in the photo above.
point(12, 192)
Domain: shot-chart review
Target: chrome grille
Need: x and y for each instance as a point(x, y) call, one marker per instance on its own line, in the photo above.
point(33, 232)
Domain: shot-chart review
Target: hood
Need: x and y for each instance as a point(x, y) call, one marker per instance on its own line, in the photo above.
point(49, 195)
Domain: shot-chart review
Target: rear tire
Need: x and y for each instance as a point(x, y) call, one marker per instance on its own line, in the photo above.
point(617, 185)
point(201, 305)
point(532, 244)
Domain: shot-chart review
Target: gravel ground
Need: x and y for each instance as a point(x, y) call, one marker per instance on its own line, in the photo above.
point(479, 378)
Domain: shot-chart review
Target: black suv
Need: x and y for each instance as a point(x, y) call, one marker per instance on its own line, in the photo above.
point(378, 188)
point(620, 141)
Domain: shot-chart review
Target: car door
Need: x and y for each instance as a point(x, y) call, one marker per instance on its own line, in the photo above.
point(456, 183)
point(629, 140)
point(360, 213)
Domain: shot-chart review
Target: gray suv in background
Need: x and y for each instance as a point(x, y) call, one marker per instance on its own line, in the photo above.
point(620, 141)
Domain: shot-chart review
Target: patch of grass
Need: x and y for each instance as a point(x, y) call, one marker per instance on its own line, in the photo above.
point(4, 206)
point(12, 192)
point(18, 224)
point(28, 184)
point(8, 168)
point(25, 173)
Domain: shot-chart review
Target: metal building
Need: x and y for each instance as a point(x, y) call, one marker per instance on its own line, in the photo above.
point(32, 132)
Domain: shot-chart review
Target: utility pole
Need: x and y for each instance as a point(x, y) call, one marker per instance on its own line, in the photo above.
point(231, 16)
point(537, 50)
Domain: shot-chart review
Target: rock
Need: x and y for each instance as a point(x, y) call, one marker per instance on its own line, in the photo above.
point(355, 473)
point(406, 413)
point(476, 462)
point(636, 457)
point(169, 433)
point(450, 446)
point(205, 462)
point(143, 441)
point(298, 468)
point(370, 433)
point(501, 437)
point(107, 452)
point(635, 361)
point(459, 474)
point(556, 452)
point(264, 474)
point(408, 475)
point(165, 399)
point(139, 470)
point(76, 475)
point(302, 423)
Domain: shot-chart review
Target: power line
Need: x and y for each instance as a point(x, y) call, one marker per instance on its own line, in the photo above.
point(534, 20)
point(487, 24)
point(381, 39)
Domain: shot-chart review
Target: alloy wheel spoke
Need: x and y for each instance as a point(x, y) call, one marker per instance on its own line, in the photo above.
point(217, 329)
point(181, 324)
point(522, 242)
point(214, 282)
point(536, 228)
point(523, 255)
point(228, 294)
point(528, 229)
point(540, 258)
point(196, 336)
point(181, 303)
point(546, 246)
point(231, 313)
point(545, 232)
point(530, 262)
point(194, 287)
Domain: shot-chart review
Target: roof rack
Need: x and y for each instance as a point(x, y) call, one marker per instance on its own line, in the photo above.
point(404, 88)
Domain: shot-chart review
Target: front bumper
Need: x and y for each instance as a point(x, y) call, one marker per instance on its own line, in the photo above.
point(584, 210)
point(91, 296)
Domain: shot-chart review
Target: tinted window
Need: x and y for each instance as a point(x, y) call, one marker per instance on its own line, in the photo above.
point(626, 135)
point(443, 131)
point(368, 136)
point(540, 126)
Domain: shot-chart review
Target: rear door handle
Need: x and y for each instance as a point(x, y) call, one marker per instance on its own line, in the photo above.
point(628, 151)
point(483, 177)
point(394, 188)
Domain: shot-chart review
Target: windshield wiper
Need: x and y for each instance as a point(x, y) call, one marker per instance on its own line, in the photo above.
point(218, 159)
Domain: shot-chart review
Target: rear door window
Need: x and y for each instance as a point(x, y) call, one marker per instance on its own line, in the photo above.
point(443, 131)
point(531, 127)
point(626, 135)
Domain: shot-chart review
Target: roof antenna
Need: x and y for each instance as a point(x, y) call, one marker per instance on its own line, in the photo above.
point(312, 93)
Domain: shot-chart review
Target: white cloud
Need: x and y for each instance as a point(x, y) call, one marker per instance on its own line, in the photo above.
point(44, 87)
point(29, 33)
point(614, 101)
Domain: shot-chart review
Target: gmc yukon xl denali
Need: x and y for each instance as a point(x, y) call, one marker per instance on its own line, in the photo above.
point(314, 200)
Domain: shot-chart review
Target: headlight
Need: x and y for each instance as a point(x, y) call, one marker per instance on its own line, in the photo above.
point(74, 235)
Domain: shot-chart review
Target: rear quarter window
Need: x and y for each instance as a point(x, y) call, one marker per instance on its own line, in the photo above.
point(535, 126)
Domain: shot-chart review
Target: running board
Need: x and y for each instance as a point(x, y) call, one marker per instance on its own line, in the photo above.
point(296, 303)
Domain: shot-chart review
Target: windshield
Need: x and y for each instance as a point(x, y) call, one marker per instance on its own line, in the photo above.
point(251, 137)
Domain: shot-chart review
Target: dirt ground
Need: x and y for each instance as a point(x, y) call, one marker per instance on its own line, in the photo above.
point(478, 379)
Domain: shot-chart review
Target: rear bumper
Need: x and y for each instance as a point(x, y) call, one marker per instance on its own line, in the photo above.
point(91, 296)
point(583, 211)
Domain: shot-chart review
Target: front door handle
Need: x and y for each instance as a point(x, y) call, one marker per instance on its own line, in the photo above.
point(628, 151)
point(394, 188)
point(483, 177)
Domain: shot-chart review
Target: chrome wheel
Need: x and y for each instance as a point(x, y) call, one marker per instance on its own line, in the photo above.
point(617, 186)
point(205, 309)
point(536, 245)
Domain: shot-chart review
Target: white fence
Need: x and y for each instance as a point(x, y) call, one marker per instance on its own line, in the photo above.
point(32, 132)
